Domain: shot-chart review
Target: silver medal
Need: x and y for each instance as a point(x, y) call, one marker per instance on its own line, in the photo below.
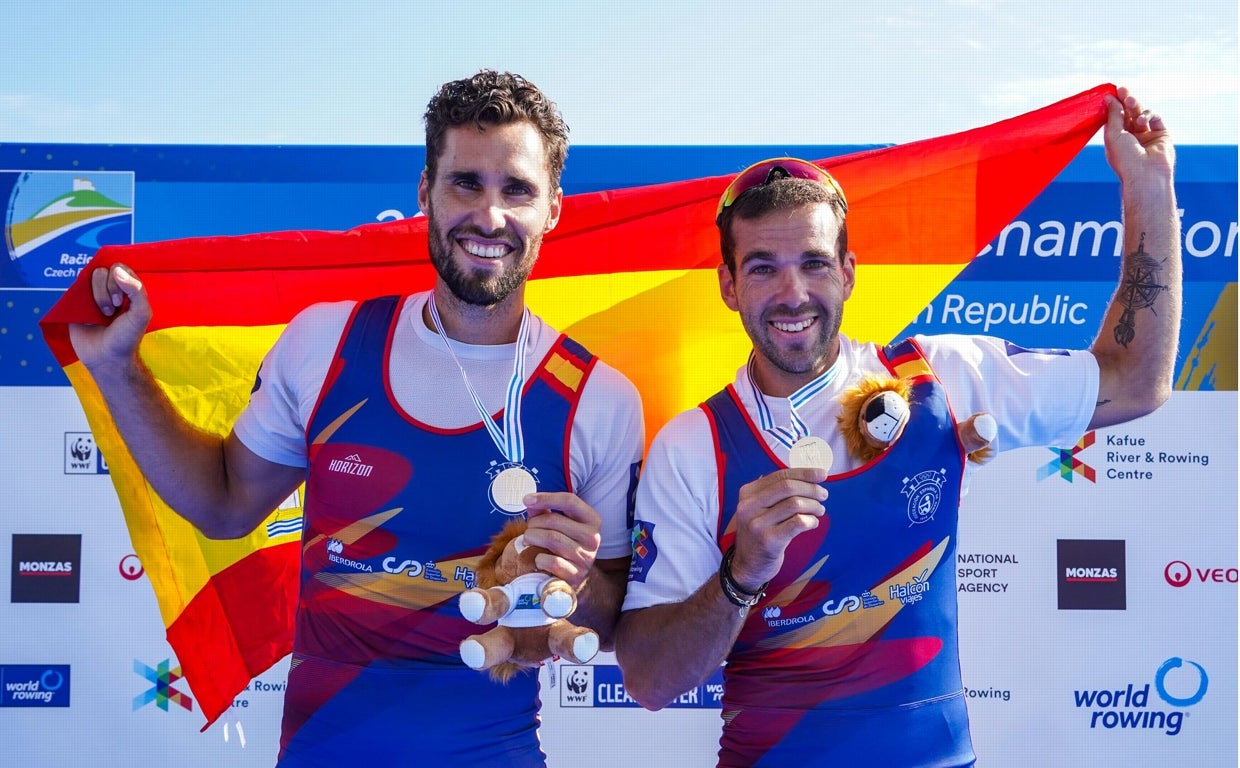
point(510, 487)
point(811, 451)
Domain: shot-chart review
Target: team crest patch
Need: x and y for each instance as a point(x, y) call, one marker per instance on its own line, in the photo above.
point(924, 491)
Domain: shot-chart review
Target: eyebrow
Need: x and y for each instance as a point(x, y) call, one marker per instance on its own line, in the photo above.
point(767, 256)
point(476, 177)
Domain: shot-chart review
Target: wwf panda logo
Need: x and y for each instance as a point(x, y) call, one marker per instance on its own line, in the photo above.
point(578, 681)
point(81, 448)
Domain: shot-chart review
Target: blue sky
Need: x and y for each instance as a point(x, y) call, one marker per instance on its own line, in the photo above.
point(814, 72)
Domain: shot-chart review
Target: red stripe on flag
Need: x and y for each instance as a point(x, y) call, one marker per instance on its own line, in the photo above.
point(232, 630)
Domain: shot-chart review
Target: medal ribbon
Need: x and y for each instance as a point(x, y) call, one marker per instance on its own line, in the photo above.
point(787, 436)
point(508, 437)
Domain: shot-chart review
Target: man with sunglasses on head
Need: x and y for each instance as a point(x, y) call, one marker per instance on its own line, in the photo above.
point(420, 424)
point(837, 616)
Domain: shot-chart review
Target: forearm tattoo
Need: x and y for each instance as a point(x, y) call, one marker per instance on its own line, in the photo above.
point(1138, 290)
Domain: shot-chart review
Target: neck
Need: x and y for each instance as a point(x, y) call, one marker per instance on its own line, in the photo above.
point(774, 381)
point(473, 324)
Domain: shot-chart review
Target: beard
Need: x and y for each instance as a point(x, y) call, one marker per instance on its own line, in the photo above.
point(473, 287)
point(812, 355)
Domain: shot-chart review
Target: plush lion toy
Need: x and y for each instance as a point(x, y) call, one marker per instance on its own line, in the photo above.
point(529, 605)
point(875, 411)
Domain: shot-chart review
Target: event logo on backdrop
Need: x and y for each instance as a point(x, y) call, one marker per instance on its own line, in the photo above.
point(163, 679)
point(602, 686)
point(34, 685)
point(1067, 463)
point(1177, 685)
point(1091, 574)
point(46, 568)
point(82, 455)
point(54, 221)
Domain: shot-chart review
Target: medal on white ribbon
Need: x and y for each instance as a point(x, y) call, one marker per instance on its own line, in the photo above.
point(511, 485)
point(804, 450)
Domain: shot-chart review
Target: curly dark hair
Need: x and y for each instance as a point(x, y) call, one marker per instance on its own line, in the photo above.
point(783, 194)
point(495, 98)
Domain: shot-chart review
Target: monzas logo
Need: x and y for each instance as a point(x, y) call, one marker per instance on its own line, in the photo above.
point(46, 568)
point(1179, 684)
point(54, 221)
point(82, 455)
point(1091, 574)
point(34, 685)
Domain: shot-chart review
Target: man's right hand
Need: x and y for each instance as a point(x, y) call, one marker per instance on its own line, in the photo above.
point(770, 512)
point(99, 346)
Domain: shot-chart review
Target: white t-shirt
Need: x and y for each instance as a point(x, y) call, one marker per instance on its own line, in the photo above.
point(1037, 399)
point(607, 434)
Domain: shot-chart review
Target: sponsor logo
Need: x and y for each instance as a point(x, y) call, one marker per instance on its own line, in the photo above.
point(1177, 683)
point(54, 221)
point(645, 552)
point(1067, 463)
point(981, 571)
point(34, 685)
point(851, 603)
point(351, 465)
point(911, 592)
point(163, 691)
point(335, 550)
point(411, 568)
point(1091, 574)
point(46, 568)
point(924, 491)
point(82, 456)
point(602, 686)
point(130, 567)
point(1180, 574)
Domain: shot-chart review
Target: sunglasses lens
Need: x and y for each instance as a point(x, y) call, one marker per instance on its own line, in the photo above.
point(769, 170)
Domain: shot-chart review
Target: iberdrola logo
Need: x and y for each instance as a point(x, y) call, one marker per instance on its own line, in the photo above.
point(55, 221)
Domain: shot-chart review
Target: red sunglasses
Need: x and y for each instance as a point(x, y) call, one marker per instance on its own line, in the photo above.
point(777, 168)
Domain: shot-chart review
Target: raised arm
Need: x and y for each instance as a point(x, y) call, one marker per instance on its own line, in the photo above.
point(1136, 346)
point(217, 484)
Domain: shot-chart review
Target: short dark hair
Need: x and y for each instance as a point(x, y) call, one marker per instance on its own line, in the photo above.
point(495, 98)
point(780, 194)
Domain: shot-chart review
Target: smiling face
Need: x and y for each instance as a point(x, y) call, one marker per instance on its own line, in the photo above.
point(488, 208)
point(789, 288)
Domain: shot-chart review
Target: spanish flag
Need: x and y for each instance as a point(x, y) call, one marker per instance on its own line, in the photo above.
point(629, 272)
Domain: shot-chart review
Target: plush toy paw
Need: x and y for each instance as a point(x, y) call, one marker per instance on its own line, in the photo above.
point(977, 435)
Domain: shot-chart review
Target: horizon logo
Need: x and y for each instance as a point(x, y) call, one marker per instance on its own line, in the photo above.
point(350, 465)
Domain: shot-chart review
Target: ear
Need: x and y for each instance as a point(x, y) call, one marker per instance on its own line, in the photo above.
point(557, 204)
point(424, 193)
point(727, 287)
point(848, 271)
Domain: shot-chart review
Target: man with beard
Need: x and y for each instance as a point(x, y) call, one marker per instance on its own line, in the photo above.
point(420, 425)
point(839, 627)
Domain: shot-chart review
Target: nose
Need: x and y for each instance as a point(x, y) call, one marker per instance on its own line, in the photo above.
point(493, 212)
point(792, 289)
